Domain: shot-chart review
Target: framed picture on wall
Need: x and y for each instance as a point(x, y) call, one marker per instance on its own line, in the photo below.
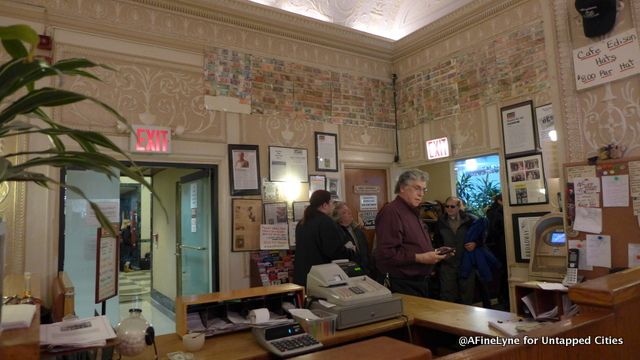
point(526, 180)
point(326, 151)
point(523, 233)
point(518, 129)
point(275, 213)
point(333, 186)
point(244, 170)
point(288, 164)
point(298, 209)
point(317, 182)
point(246, 217)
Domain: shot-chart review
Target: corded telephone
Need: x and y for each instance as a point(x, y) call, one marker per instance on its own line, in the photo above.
point(571, 278)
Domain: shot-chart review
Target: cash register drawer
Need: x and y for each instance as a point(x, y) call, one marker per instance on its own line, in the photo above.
point(365, 313)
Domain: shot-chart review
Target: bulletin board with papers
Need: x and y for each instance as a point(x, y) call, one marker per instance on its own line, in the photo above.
point(602, 203)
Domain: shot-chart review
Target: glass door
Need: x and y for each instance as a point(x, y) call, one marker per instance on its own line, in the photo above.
point(80, 237)
point(194, 246)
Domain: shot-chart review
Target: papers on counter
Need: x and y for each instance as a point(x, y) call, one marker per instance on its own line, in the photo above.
point(17, 316)
point(88, 332)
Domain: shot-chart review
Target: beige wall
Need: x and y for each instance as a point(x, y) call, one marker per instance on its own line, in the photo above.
point(441, 181)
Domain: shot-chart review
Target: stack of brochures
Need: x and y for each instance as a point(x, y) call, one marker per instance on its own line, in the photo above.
point(77, 333)
point(530, 304)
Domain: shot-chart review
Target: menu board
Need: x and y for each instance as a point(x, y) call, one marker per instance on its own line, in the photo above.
point(106, 265)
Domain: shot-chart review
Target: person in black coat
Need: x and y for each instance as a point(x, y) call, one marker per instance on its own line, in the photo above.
point(318, 239)
point(496, 243)
point(355, 238)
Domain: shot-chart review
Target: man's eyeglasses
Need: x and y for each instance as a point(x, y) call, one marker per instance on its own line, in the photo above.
point(451, 206)
point(419, 189)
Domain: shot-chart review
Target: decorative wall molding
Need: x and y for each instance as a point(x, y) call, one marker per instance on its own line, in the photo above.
point(466, 17)
point(603, 114)
point(145, 91)
point(13, 211)
point(367, 139)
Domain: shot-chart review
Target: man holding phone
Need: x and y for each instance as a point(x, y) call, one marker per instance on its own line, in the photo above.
point(404, 255)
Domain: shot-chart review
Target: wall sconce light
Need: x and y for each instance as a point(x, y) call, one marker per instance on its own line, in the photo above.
point(122, 128)
point(179, 130)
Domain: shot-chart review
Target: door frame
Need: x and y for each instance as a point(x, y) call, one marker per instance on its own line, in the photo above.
point(215, 227)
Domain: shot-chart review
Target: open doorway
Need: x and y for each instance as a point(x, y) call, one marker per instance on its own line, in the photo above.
point(150, 263)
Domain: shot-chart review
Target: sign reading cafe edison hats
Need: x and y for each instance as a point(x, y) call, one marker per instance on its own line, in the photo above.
point(598, 16)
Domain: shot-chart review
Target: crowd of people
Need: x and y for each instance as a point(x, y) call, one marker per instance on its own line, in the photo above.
point(465, 260)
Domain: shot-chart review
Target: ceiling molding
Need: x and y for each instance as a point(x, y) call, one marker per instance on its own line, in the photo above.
point(458, 20)
point(278, 22)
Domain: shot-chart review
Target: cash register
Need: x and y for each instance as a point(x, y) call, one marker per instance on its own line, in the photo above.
point(354, 297)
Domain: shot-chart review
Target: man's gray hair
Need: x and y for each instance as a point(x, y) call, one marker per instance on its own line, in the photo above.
point(410, 175)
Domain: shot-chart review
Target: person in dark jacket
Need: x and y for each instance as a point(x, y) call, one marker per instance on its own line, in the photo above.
point(452, 228)
point(497, 245)
point(318, 238)
point(355, 238)
point(403, 253)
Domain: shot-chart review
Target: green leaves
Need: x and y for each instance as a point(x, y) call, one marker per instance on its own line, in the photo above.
point(13, 36)
point(92, 150)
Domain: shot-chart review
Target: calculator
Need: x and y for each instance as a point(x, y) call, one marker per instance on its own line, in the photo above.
point(286, 340)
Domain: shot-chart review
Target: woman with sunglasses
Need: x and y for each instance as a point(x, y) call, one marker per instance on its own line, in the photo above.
point(452, 228)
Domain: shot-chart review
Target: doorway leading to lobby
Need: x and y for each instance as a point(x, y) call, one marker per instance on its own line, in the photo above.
point(161, 255)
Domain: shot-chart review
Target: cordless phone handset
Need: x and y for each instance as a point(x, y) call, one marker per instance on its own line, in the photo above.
point(571, 278)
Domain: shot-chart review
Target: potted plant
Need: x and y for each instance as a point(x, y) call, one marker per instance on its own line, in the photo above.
point(22, 113)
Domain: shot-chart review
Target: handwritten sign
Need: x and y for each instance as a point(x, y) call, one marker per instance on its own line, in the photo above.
point(274, 237)
point(608, 60)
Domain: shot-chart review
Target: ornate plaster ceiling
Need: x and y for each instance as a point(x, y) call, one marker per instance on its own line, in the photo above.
point(392, 19)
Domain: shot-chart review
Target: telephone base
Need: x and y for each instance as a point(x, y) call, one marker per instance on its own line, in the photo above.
point(364, 313)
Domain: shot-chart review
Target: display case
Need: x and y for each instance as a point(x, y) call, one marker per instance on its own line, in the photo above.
point(215, 313)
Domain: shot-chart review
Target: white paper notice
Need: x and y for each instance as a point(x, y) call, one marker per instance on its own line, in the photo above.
point(580, 172)
point(634, 178)
point(634, 255)
point(292, 233)
point(274, 237)
point(615, 191)
point(588, 220)
point(581, 245)
point(599, 250)
point(586, 185)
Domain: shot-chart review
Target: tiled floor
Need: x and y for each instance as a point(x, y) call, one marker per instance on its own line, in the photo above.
point(134, 293)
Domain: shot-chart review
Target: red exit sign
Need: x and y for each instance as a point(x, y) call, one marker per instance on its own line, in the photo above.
point(437, 148)
point(150, 139)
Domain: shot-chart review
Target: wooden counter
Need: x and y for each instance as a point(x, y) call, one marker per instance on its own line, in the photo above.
point(380, 348)
point(433, 314)
point(452, 318)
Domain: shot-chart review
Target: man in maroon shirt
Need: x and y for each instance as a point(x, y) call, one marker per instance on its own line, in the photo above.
point(404, 253)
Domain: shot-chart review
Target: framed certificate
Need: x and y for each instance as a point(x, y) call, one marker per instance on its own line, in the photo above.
point(288, 164)
point(326, 151)
point(518, 129)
